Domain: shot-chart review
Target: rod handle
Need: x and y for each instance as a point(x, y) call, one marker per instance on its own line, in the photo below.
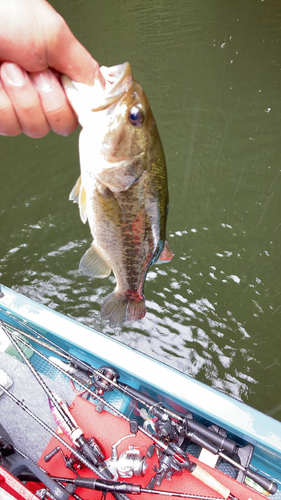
point(266, 483)
point(210, 481)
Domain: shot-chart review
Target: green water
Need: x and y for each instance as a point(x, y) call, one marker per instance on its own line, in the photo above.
point(211, 70)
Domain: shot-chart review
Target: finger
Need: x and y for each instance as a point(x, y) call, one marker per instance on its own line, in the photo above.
point(57, 110)
point(68, 56)
point(25, 100)
point(9, 124)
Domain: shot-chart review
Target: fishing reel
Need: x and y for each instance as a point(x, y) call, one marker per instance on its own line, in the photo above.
point(130, 463)
point(166, 430)
point(70, 461)
point(102, 385)
point(169, 464)
point(90, 449)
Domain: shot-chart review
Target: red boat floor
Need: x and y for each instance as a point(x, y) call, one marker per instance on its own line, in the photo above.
point(107, 429)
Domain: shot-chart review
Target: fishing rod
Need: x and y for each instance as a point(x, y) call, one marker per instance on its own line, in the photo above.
point(117, 487)
point(27, 470)
point(176, 456)
point(154, 406)
point(172, 460)
point(76, 453)
point(151, 404)
point(90, 449)
point(125, 487)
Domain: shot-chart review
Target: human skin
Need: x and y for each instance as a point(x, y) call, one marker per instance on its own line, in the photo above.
point(36, 46)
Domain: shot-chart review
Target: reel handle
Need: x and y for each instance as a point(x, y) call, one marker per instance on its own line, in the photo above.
point(52, 453)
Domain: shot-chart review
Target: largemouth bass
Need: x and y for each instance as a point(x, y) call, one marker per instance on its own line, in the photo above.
point(122, 190)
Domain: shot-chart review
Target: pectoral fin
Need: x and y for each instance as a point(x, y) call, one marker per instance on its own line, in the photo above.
point(92, 264)
point(166, 255)
point(78, 195)
point(74, 195)
point(121, 175)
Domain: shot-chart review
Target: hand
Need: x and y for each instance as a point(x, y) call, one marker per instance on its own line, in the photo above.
point(36, 45)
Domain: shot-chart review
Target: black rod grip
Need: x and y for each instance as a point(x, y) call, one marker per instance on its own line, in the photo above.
point(266, 483)
point(221, 441)
point(197, 438)
point(137, 394)
point(158, 410)
point(107, 486)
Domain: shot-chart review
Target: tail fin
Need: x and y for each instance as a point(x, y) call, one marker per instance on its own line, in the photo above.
point(119, 308)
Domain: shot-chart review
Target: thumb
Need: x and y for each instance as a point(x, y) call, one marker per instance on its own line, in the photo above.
point(68, 56)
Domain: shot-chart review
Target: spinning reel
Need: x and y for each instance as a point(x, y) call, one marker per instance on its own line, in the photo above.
point(130, 463)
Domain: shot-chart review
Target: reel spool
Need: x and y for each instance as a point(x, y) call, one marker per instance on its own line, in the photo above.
point(101, 385)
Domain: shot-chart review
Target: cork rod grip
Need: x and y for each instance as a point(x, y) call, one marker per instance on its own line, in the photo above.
point(209, 480)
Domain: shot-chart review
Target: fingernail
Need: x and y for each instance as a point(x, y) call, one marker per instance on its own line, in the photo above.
point(43, 80)
point(15, 74)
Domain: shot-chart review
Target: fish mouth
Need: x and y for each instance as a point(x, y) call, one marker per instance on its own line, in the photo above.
point(87, 98)
point(118, 79)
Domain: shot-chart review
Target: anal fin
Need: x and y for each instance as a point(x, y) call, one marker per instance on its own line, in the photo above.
point(92, 264)
point(166, 255)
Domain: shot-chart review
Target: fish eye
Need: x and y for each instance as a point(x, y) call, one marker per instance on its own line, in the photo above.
point(135, 116)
